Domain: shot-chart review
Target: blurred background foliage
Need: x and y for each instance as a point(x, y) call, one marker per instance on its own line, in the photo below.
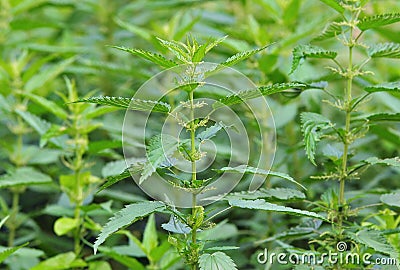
point(46, 46)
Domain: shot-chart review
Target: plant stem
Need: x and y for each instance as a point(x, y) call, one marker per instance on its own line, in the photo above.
point(346, 141)
point(194, 176)
point(13, 218)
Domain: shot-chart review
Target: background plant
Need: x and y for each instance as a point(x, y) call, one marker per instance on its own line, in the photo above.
point(43, 40)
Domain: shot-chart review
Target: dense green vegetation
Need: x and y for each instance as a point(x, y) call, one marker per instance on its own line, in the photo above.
point(249, 127)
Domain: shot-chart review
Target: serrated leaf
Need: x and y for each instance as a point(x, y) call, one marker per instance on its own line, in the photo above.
point(153, 57)
point(375, 240)
point(392, 199)
point(302, 52)
point(255, 93)
point(384, 50)
point(334, 4)
point(216, 261)
point(130, 214)
point(273, 193)
point(395, 162)
point(48, 105)
point(37, 123)
point(158, 152)
point(176, 47)
point(9, 251)
point(210, 132)
point(205, 48)
point(261, 204)
point(379, 117)
point(129, 103)
point(384, 87)
point(111, 180)
point(378, 20)
point(234, 59)
point(312, 126)
point(244, 169)
point(330, 31)
point(24, 176)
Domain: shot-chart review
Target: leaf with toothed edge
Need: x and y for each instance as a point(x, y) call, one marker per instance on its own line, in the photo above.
point(261, 204)
point(384, 87)
point(334, 4)
point(128, 215)
point(216, 261)
point(309, 51)
point(129, 103)
point(378, 20)
point(255, 93)
point(252, 170)
point(384, 50)
point(153, 57)
point(312, 126)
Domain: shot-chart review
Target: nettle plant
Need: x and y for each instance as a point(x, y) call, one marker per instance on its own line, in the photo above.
point(339, 138)
point(185, 227)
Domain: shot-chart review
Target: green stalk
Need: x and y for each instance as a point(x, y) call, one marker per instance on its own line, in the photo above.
point(346, 141)
point(194, 176)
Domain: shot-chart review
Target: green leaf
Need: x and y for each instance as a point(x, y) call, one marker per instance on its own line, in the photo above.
point(384, 50)
point(216, 261)
point(99, 265)
point(158, 151)
point(9, 251)
point(378, 20)
point(130, 214)
point(111, 180)
point(60, 262)
point(150, 239)
point(379, 117)
point(129, 103)
point(64, 225)
point(129, 262)
point(302, 52)
point(24, 176)
point(153, 57)
point(312, 126)
point(244, 169)
point(47, 75)
point(376, 240)
point(49, 105)
point(239, 57)
point(395, 162)
point(37, 123)
point(179, 49)
point(272, 193)
point(331, 30)
point(334, 4)
point(261, 204)
point(205, 48)
point(392, 199)
point(210, 132)
point(255, 93)
point(384, 87)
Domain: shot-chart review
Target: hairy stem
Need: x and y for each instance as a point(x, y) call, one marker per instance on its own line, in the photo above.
point(346, 141)
point(194, 176)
